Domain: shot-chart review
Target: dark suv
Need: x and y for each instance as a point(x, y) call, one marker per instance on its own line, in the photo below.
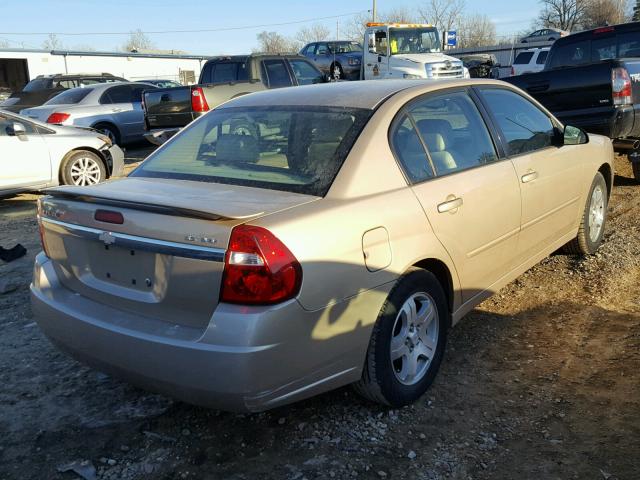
point(45, 87)
point(340, 59)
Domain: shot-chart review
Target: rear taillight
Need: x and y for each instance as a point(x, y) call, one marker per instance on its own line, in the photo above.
point(259, 269)
point(513, 71)
point(621, 87)
point(58, 117)
point(41, 228)
point(198, 102)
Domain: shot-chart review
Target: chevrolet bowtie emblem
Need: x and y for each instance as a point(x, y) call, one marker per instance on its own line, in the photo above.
point(107, 238)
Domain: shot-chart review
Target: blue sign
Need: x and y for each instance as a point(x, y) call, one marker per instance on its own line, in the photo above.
point(452, 38)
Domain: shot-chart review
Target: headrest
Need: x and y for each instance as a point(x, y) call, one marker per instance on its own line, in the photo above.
point(434, 125)
point(237, 148)
point(435, 142)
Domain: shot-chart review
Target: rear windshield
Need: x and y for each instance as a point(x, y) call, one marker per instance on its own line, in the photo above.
point(598, 49)
point(70, 97)
point(37, 85)
point(523, 58)
point(294, 149)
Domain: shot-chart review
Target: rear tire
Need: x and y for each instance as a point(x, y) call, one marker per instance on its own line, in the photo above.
point(407, 343)
point(83, 168)
point(594, 218)
point(110, 131)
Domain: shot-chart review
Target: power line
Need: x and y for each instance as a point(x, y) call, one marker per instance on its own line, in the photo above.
point(212, 30)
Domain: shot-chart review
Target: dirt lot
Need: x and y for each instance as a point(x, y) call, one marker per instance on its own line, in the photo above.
point(540, 382)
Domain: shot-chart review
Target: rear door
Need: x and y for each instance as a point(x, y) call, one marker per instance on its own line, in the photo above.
point(551, 178)
point(470, 195)
point(24, 159)
point(322, 56)
point(124, 103)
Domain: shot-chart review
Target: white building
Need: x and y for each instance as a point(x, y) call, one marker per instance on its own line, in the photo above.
point(18, 66)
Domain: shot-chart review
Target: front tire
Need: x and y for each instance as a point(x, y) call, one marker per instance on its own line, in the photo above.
point(336, 71)
point(83, 168)
point(635, 166)
point(594, 217)
point(407, 343)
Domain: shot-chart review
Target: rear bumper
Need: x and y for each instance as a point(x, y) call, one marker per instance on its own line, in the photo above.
point(246, 359)
point(612, 122)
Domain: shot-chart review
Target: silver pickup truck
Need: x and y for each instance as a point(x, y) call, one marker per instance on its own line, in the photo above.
point(222, 78)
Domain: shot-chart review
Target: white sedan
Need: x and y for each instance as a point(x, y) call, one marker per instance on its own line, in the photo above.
point(35, 155)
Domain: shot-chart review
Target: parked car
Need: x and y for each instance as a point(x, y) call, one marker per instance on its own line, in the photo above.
point(529, 61)
point(340, 59)
point(590, 80)
point(45, 87)
point(4, 93)
point(544, 35)
point(222, 78)
point(36, 155)
point(481, 65)
point(334, 239)
point(115, 109)
point(161, 83)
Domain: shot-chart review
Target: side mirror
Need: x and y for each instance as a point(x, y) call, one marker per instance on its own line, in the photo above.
point(16, 129)
point(574, 136)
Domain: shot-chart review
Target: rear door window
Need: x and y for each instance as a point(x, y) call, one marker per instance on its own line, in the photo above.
point(119, 94)
point(410, 152)
point(523, 58)
point(276, 73)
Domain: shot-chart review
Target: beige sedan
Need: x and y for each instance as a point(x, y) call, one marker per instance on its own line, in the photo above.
point(297, 240)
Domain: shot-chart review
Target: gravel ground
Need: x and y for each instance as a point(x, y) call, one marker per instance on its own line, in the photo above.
point(540, 382)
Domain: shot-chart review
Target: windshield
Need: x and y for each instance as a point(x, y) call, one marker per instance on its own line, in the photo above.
point(70, 97)
point(345, 47)
point(295, 149)
point(414, 40)
point(37, 84)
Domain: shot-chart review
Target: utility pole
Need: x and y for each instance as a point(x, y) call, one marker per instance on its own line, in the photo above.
point(374, 11)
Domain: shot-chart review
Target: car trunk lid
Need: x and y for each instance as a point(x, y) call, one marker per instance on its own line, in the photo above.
point(152, 248)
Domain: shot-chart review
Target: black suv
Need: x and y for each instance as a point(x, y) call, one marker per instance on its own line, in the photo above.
point(45, 87)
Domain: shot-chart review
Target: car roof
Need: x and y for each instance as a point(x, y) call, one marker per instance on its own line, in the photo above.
point(367, 94)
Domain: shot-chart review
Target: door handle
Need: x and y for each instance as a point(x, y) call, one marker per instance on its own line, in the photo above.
point(450, 205)
point(529, 177)
point(116, 110)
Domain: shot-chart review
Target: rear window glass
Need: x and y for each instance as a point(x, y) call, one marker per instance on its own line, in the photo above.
point(577, 53)
point(523, 58)
point(345, 47)
point(37, 85)
point(542, 57)
point(294, 149)
point(70, 97)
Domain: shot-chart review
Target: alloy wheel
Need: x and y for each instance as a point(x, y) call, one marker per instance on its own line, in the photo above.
point(85, 171)
point(596, 213)
point(414, 338)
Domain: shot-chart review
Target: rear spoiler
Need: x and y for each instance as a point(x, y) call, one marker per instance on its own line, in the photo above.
point(147, 207)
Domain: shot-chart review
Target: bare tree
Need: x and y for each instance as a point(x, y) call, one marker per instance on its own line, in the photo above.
point(400, 15)
point(313, 33)
point(562, 14)
point(598, 13)
point(137, 41)
point(273, 42)
point(476, 31)
point(355, 27)
point(444, 14)
point(52, 42)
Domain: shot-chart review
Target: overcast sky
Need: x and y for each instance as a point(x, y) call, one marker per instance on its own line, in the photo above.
point(69, 16)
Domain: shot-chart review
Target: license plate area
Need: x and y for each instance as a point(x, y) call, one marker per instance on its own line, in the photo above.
point(125, 267)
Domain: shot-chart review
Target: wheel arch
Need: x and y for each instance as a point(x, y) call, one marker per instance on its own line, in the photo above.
point(108, 123)
point(444, 277)
point(107, 167)
point(607, 173)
